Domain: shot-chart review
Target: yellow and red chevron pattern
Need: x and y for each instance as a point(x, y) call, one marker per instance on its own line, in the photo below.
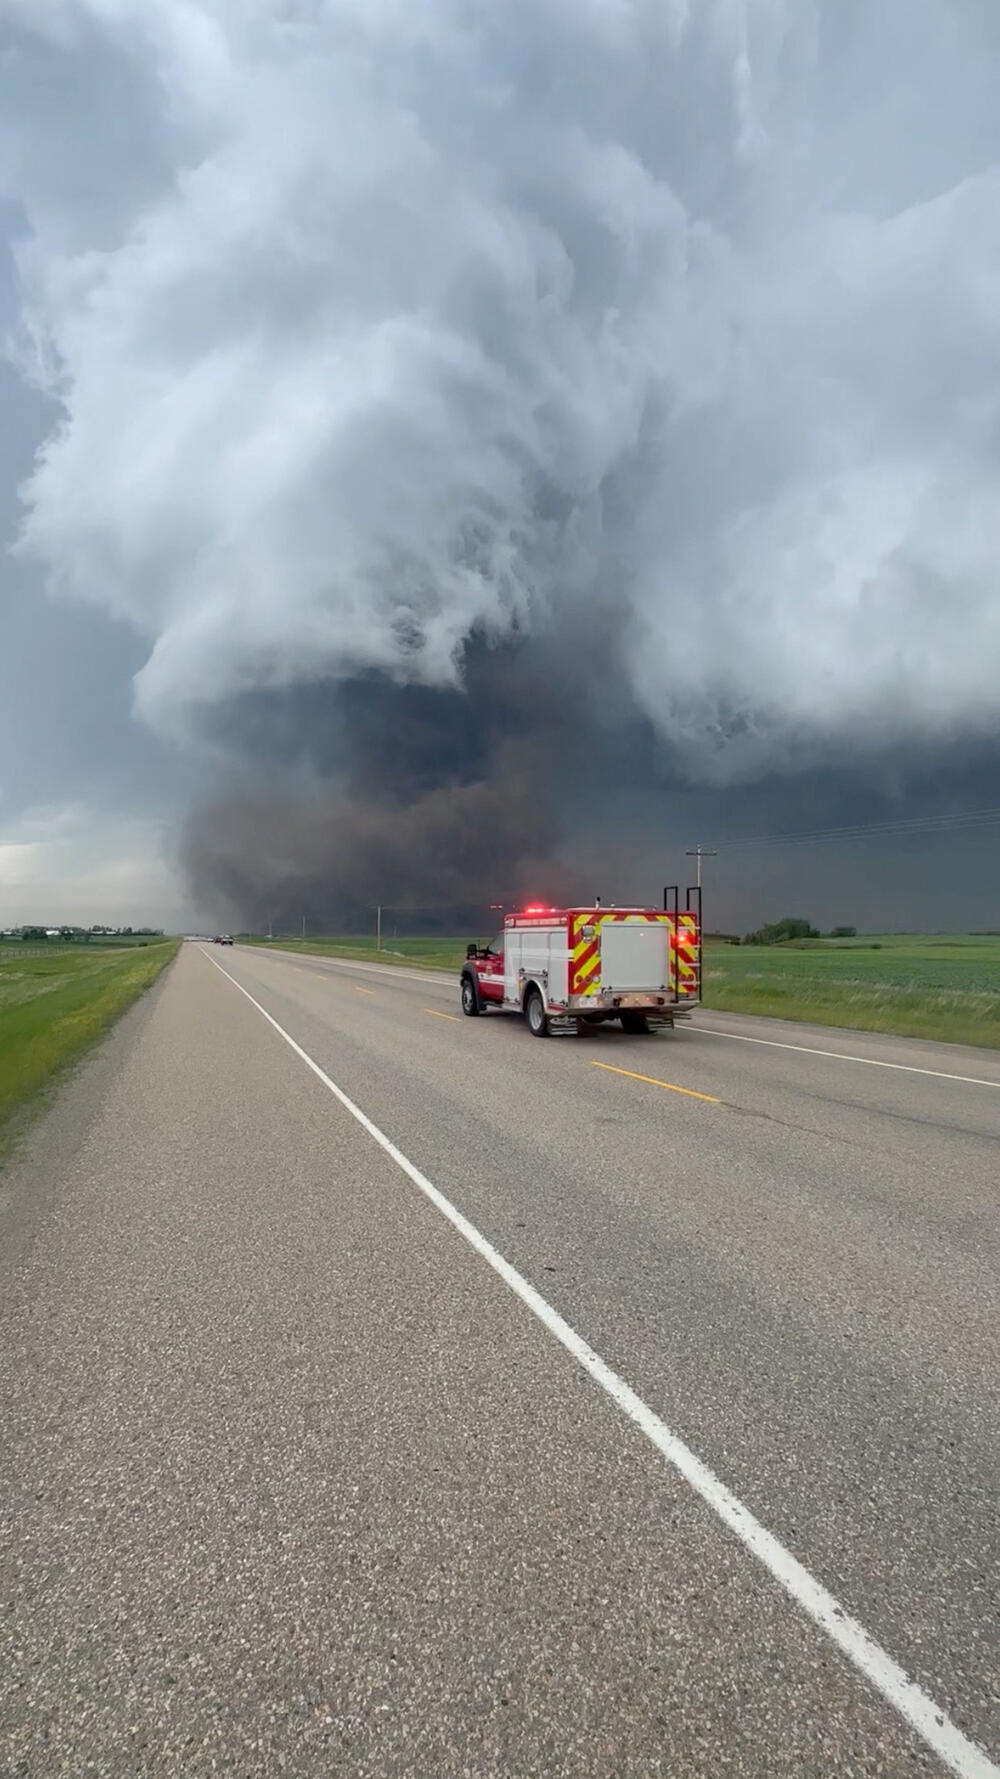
point(585, 954)
point(686, 952)
point(585, 944)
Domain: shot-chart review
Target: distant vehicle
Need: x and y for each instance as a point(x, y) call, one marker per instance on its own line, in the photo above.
point(222, 939)
point(568, 968)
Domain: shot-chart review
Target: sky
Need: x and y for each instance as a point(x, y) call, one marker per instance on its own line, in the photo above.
point(450, 449)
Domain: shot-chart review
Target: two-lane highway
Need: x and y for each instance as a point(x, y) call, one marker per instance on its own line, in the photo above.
point(386, 1392)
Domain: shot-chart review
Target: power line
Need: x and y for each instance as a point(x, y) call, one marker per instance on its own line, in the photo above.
point(866, 831)
point(957, 822)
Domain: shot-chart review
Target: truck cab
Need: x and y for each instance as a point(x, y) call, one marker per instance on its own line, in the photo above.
point(482, 977)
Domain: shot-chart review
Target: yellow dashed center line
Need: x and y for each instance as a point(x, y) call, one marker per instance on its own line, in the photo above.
point(436, 1015)
point(650, 1081)
point(361, 991)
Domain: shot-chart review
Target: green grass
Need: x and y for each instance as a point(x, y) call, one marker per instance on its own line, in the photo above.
point(54, 1004)
point(419, 954)
point(103, 940)
point(935, 986)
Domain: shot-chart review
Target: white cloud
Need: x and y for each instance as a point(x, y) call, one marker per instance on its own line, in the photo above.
point(421, 316)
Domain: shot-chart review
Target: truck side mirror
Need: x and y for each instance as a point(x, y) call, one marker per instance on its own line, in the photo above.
point(472, 949)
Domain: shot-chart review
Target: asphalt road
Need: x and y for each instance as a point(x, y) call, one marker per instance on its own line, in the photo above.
point(293, 1481)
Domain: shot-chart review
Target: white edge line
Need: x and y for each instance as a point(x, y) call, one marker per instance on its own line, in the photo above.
point(870, 1062)
point(909, 1700)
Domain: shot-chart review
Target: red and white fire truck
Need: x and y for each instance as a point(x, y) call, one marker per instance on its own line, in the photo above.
point(567, 968)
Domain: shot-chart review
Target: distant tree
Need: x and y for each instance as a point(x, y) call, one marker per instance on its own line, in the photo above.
point(34, 934)
point(844, 933)
point(780, 931)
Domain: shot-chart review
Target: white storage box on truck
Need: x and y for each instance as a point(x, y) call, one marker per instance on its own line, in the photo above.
point(564, 968)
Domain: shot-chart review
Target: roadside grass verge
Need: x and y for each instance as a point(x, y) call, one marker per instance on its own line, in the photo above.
point(53, 1006)
point(940, 986)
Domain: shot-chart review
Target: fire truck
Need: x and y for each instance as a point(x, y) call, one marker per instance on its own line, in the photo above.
point(566, 969)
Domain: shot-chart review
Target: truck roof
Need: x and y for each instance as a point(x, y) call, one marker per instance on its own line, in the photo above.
point(539, 913)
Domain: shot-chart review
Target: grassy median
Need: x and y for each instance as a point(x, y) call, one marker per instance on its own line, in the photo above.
point(944, 986)
point(54, 1004)
point(417, 954)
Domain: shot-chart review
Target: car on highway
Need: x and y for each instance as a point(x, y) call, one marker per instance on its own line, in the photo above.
point(223, 939)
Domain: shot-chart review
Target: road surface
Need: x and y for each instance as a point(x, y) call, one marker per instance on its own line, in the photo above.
point(385, 1393)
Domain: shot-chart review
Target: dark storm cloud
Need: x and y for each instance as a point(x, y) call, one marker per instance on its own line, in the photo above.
point(418, 797)
point(439, 859)
point(897, 850)
point(649, 346)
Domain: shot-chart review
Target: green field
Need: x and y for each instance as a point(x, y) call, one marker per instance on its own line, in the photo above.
point(945, 986)
point(54, 1003)
point(935, 986)
point(99, 941)
point(419, 954)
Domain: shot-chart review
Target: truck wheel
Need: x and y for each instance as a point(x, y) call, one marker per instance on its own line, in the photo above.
point(534, 1012)
point(470, 998)
point(634, 1023)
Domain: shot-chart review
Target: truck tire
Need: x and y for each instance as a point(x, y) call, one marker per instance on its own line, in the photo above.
point(634, 1023)
point(470, 998)
point(535, 1014)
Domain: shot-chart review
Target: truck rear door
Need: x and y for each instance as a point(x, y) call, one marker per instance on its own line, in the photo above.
point(635, 955)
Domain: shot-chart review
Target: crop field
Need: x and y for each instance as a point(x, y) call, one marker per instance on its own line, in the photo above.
point(55, 1003)
point(943, 986)
point(96, 942)
point(935, 986)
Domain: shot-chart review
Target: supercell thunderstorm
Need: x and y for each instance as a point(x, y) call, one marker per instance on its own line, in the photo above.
point(441, 384)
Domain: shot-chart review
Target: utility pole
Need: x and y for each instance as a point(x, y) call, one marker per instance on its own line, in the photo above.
point(378, 928)
point(303, 926)
point(699, 853)
point(270, 929)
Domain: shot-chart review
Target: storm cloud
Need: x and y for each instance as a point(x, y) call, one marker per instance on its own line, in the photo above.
point(573, 363)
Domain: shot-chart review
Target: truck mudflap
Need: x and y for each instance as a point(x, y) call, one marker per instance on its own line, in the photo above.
point(563, 1025)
